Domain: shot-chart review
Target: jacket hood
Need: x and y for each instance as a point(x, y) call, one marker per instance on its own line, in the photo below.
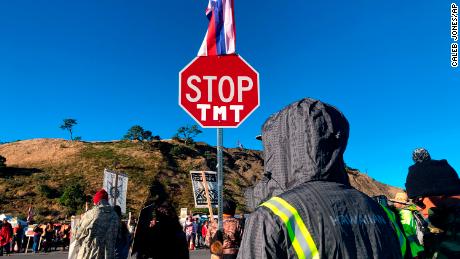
point(303, 142)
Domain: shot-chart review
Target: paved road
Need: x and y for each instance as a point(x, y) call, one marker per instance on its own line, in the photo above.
point(52, 255)
point(197, 254)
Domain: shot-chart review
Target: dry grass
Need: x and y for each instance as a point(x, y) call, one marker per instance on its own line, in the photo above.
point(54, 162)
point(37, 152)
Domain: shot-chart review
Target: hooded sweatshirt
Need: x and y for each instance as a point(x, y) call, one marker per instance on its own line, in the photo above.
point(303, 149)
point(96, 234)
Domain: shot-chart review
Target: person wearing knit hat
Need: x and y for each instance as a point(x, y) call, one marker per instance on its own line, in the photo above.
point(100, 195)
point(432, 178)
point(420, 154)
point(97, 230)
point(434, 187)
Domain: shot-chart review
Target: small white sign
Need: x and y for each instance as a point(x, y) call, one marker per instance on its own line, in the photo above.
point(117, 188)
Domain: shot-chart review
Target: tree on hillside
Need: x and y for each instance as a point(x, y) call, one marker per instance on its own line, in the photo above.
point(136, 132)
point(187, 133)
point(68, 125)
point(73, 197)
point(147, 135)
point(2, 162)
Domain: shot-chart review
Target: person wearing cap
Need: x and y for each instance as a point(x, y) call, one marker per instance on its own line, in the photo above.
point(434, 186)
point(306, 208)
point(96, 233)
point(405, 213)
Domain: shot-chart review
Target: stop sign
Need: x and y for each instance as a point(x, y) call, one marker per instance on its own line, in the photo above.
point(219, 91)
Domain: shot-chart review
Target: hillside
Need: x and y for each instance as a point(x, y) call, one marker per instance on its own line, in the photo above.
point(32, 164)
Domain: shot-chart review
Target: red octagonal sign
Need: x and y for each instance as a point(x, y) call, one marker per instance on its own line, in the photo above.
point(219, 91)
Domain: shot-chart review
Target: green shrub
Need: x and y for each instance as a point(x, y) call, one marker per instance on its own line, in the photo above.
point(98, 153)
point(47, 191)
point(74, 197)
point(177, 151)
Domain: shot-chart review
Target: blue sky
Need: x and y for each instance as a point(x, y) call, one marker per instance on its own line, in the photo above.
point(114, 64)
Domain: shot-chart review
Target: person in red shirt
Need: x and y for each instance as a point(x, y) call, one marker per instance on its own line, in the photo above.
point(6, 236)
point(204, 231)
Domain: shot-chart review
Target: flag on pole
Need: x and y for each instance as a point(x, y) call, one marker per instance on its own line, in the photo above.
point(30, 214)
point(220, 37)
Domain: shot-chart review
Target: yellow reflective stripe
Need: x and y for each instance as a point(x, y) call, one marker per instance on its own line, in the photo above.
point(300, 237)
point(303, 228)
point(399, 234)
point(292, 237)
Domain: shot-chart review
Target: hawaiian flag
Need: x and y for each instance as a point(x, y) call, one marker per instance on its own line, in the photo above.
point(30, 214)
point(220, 37)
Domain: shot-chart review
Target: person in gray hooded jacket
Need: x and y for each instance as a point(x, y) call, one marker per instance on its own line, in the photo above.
point(96, 233)
point(306, 207)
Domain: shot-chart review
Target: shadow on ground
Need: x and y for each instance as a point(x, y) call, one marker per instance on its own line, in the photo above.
point(6, 172)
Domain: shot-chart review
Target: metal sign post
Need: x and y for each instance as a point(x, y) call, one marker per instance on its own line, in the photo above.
point(220, 175)
point(212, 70)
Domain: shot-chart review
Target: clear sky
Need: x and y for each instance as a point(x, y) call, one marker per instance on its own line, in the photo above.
point(114, 64)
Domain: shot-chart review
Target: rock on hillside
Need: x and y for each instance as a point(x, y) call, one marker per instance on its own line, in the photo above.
point(35, 163)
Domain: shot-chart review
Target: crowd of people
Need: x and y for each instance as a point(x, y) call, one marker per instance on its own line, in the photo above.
point(45, 237)
point(306, 208)
point(48, 237)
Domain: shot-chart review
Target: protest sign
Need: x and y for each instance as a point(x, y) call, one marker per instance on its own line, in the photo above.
point(199, 193)
point(116, 184)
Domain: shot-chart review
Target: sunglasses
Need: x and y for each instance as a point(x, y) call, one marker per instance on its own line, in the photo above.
point(419, 202)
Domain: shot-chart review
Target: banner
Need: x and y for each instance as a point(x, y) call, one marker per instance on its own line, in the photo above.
point(199, 194)
point(116, 184)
